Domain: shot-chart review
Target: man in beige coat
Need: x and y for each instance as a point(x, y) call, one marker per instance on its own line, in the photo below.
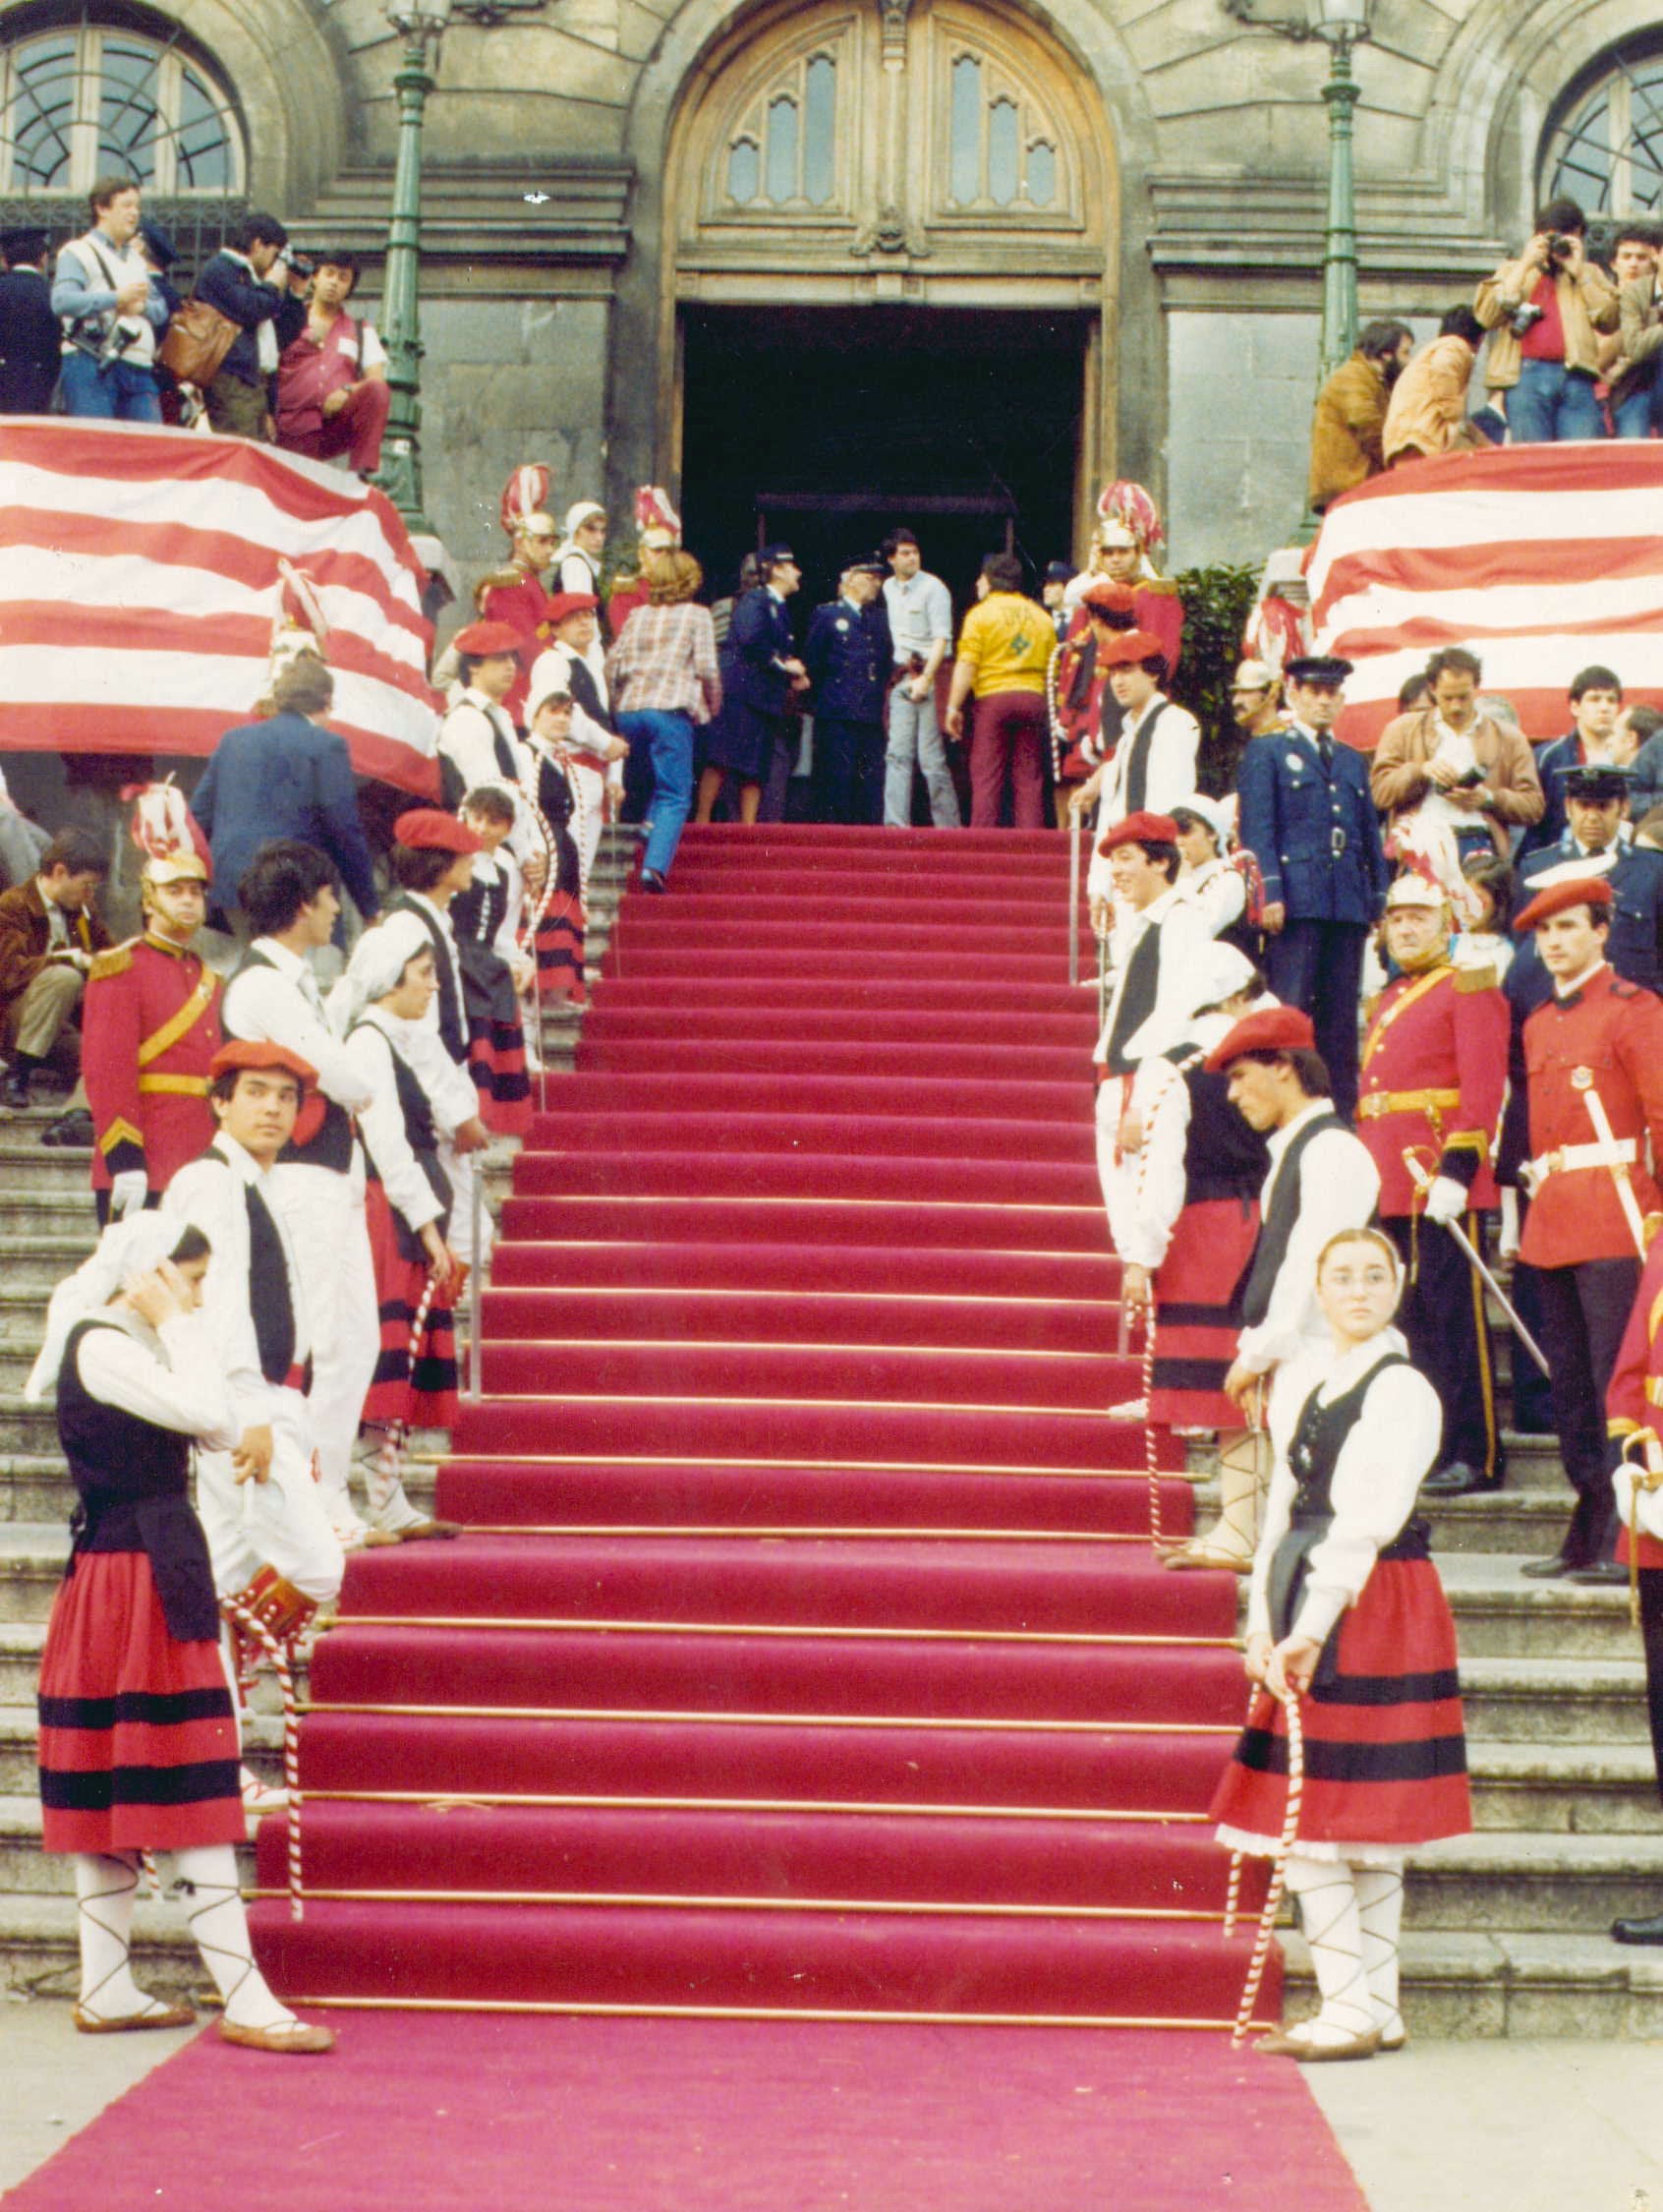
point(1475, 775)
point(1545, 309)
point(1428, 409)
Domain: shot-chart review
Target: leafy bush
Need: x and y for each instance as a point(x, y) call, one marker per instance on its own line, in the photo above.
point(1217, 603)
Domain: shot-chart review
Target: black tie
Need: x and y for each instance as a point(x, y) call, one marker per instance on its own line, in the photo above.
point(1325, 746)
point(268, 1291)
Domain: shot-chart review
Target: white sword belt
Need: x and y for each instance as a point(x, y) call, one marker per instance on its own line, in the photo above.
point(1564, 1157)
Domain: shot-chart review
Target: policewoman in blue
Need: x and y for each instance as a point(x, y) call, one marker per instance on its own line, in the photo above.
point(1308, 815)
point(849, 656)
point(759, 673)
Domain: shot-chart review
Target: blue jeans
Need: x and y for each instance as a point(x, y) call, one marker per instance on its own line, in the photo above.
point(1641, 412)
point(915, 737)
point(124, 393)
point(1551, 403)
point(668, 739)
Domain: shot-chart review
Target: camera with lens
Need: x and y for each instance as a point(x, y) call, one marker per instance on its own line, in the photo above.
point(1524, 318)
point(115, 342)
point(1561, 249)
point(303, 266)
point(1469, 781)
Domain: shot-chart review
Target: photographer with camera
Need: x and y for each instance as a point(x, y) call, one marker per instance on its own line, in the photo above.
point(248, 282)
point(1544, 310)
point(1446, 761)
point(111, 312)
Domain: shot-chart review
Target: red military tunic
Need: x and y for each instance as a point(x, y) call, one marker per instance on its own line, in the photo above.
point(1157, 609)
point(1612, 1032)
point(1434, 1076)
point(520, 601)
point(150, 1026)
point(1634, 1400)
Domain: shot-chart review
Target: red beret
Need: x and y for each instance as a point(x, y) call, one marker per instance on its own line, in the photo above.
point(480, 640)
point(1140, 829)
point(1109, 598)
point(1575, 891)
point(424, 828)
point(247, 1052)
point(1276, 1029)
point(1130, 648)
point(562, 603)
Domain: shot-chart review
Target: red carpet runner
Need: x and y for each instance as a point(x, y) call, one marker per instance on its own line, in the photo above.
point(804, 1653)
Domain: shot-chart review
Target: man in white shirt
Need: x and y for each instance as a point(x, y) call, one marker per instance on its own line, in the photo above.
point(1321, 1180)
point(920, 612)
point(1154, 763)
point(319, 1184)
point(1161, 937)
point(111, 312)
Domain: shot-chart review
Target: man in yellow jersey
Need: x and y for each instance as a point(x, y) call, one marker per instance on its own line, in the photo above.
point(1004, 651)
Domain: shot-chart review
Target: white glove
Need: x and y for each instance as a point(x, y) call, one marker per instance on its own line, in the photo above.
point(128, 1191)
point(1446, 1201)
point(1507, 1244)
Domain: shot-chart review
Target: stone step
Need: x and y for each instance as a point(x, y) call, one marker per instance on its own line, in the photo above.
point(1592, 1704)
point(39, 1954)
point(36, 1487)
point(1510, 1881)
point(1563, 1788)
point(37, 1264)
point(31, 1209)
point(1501, 1614)
point(1475, 1986)
point(26, 1870)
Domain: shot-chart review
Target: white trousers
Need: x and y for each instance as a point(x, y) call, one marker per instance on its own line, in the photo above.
point(324, 1216)
point(1116, 1173)
point(281, 1523)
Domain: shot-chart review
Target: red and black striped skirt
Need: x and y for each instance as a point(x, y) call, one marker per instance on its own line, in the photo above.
point(1197, 1321)
point(420, 1391)
point(1385, 1739)
point(138, 1733)
point(558, 948)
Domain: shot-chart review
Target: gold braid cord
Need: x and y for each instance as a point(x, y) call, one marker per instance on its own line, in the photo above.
point(265, 1617)
point(1279, 1867)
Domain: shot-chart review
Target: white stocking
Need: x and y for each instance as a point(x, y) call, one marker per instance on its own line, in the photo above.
point(1380, 1915)
point(1328, 1913)
point(1236, 1528)
point(205, 1880)
point(105, 1886)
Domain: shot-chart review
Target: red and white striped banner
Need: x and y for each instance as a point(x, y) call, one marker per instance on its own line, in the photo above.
point(1541, 559)
point(139, 582)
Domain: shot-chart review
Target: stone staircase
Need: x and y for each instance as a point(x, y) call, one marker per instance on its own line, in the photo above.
point(47, 1227)
point(1505, 1931)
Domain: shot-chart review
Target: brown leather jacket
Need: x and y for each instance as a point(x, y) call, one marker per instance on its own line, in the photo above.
point(26, 937)
point(1398, 777)
point(1350, 413)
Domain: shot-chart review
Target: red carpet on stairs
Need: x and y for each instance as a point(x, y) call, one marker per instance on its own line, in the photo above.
point(805, 1653)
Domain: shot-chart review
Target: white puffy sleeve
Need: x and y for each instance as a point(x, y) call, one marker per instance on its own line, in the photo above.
point(1288, 1390)
point(1161, 1100)
point(381, 1123)
point(187, 1394)
point(1377, 1476)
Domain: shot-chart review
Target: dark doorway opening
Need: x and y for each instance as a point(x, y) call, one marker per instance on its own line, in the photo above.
point(826, 427)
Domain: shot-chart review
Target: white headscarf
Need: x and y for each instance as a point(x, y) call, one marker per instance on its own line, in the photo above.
point(378, 959)
point(133, 1246)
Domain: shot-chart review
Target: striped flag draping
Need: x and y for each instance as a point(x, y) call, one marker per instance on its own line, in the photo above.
point(139, 582)
point(1540, 559)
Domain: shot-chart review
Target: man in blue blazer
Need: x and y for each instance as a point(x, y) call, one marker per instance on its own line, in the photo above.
point(848, 657)
point(1307, 816)
point(286, 777)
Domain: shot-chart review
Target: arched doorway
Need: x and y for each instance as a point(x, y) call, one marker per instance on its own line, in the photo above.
point(891, 235)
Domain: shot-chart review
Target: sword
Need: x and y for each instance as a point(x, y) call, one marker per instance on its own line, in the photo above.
point(1423, 1182)
point(1075, 899)
point(1582, 1079)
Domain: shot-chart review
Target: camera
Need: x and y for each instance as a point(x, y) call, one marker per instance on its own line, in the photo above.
point(1524, 318)
point(1561, 247)
point(302, 265)
point(1470, 781)
point(115, 342)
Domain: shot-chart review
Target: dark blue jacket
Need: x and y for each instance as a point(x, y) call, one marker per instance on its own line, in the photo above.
point(1315, 835)
point(228, 285)
point(1552, 761)
point(849, 656)
point(1635, 947)
point(759, 638)
point(283, 778)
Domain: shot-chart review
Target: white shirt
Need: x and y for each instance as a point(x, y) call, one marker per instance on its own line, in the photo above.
point(373, 1042)
point(1339, 1189)
point(446, 1081)
point(1183, 932)
point(1381, 1465)
point(286, 1008)
point(182, 1390)
point(920, 612)
point(1169, 777)
point(1160, 1098)
point(1220, 892)
point(208, 1193)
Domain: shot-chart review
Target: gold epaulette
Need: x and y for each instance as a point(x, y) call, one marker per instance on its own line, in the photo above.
point(1475, 978)
point(1371, 1007)
point(499, 579)
point(116, 962)
point(1156, 584)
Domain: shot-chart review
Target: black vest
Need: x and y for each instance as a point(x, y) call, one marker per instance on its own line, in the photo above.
point(453, 788)
point(449, 1000)
point(332, 1147)
point(420, 1133)
point(133, 1481)
point(1223, 1157)
point(1280, 1218)
point(1319, 1436)
point(1138, 761)
point(1135, 1002)
point(271, 1300)
point(586, 695)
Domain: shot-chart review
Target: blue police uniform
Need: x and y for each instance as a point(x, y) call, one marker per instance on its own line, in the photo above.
point(849, 656)
point(1307, 817)
point(1554, 761)
point(756, 691)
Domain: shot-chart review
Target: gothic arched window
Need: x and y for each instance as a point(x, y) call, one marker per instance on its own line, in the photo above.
point(1606, 150)
point(79, 102)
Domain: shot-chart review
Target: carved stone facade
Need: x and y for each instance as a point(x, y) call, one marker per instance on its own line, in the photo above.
point(604, 177)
